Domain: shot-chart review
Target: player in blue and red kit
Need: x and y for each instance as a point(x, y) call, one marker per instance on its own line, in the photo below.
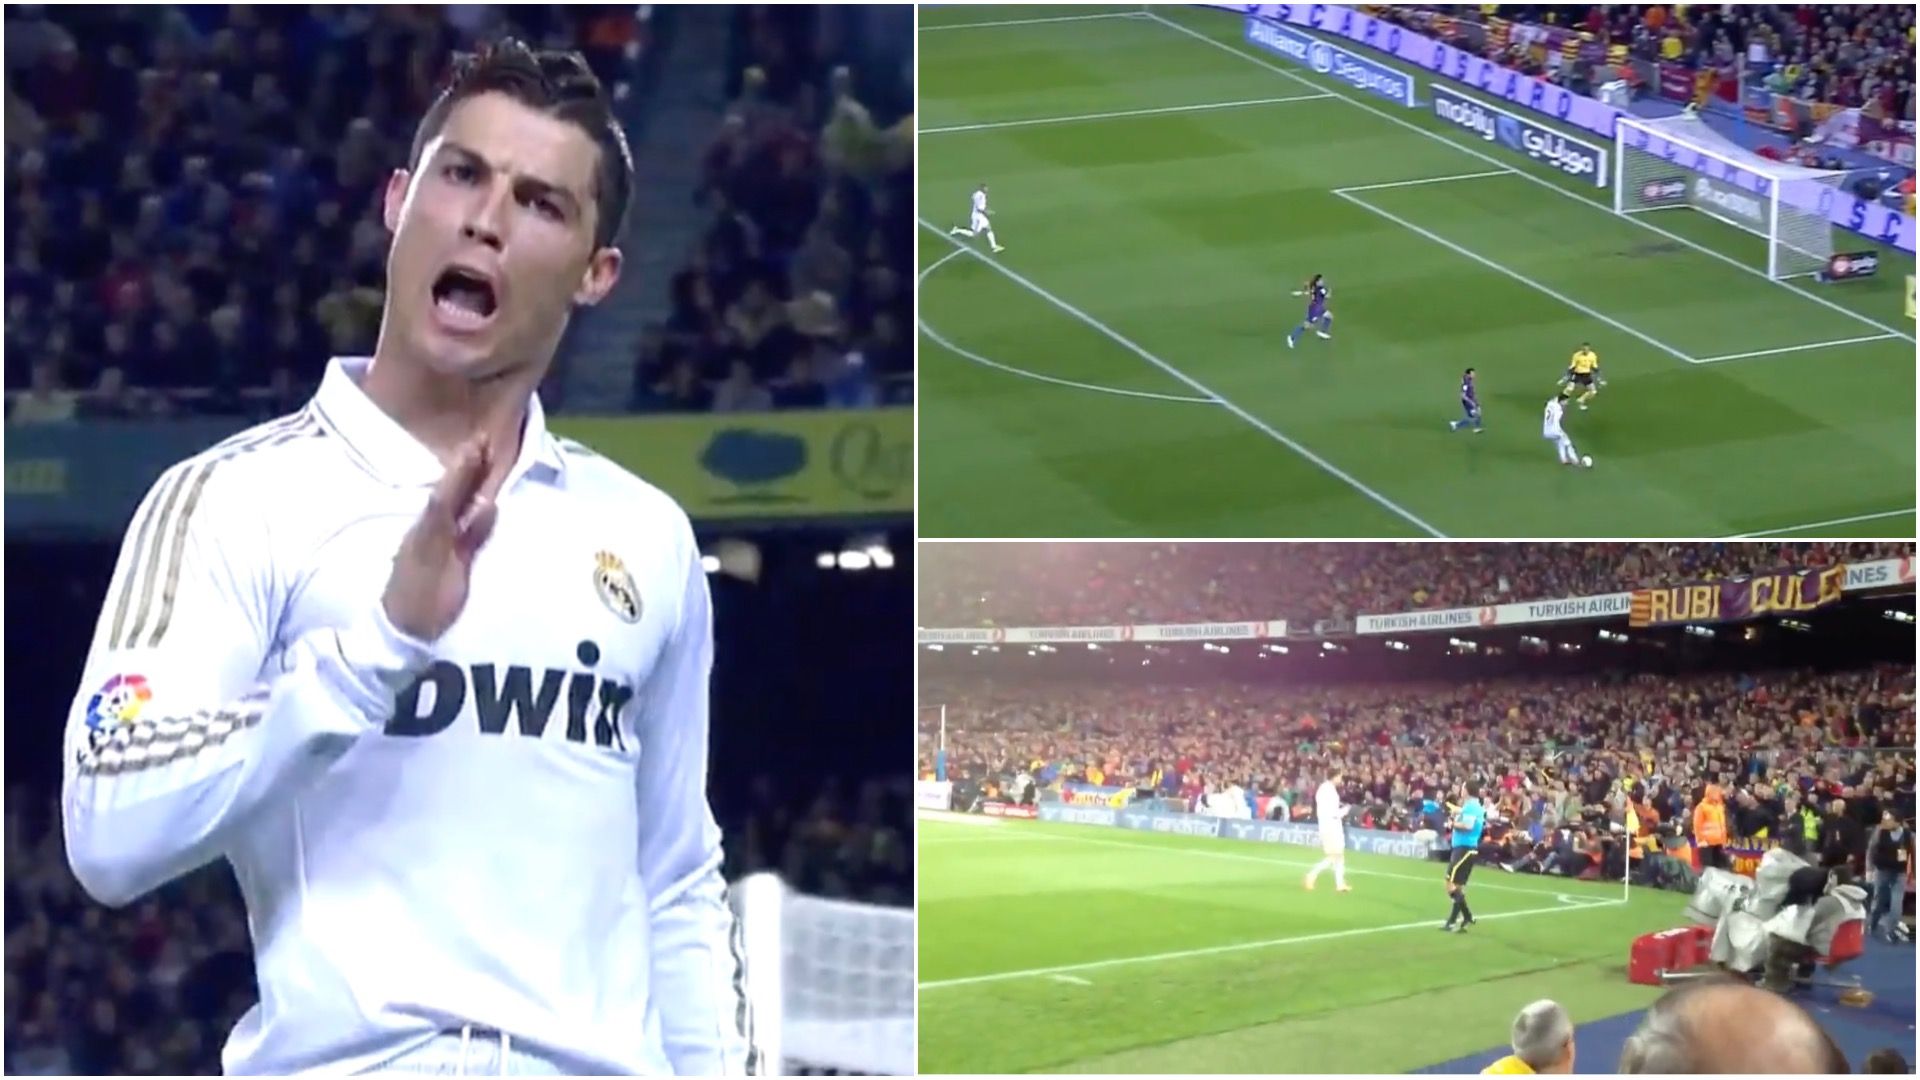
point(1316, 294)
point(1469, 404)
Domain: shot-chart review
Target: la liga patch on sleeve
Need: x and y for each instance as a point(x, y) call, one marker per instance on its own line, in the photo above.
point(117, 703)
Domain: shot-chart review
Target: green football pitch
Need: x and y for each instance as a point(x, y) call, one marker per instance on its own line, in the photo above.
point(1161, 187)
point(1076, 948)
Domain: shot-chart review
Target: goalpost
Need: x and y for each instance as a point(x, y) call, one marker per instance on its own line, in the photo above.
point(1681, 162)
point(831, 982)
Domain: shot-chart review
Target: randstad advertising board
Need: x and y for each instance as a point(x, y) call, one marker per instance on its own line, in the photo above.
point(1373, 841)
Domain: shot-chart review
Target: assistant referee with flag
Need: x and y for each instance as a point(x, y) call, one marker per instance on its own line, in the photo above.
point(1469, 822)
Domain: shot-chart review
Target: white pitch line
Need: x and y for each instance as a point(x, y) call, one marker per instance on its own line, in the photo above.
point(1519, 277)
point(927, 329)
point(1244, 946)
point(1821, 524)
point(1631, 219)
point(1427, 180)
point(1036, 22)
point(1796, 348)
point(1073, 979)
point(1003, 837)
point(1261, 425)
point(991, 125)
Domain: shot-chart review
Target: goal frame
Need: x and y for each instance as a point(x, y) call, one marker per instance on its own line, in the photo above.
point(1772, 235)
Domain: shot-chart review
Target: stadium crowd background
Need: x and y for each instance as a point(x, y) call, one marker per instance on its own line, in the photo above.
point(1552, 747)
point(194, 199)
point(1812, 60)
point(193, 229)
point(1086, 584)
point(1851, 55)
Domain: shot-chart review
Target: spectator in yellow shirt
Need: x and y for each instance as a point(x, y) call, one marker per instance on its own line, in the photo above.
point(1542, 1042)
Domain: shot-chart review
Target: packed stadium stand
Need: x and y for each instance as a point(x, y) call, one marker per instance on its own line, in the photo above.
point(1826, 86)
point(1156, 724)
point(1119, 583)
point(194, 199)
point(1842, 54)
point(1789, 742)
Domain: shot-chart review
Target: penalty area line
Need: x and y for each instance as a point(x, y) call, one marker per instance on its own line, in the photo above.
point(927, 329)
point(1198, 387)
point(1796, 348)
point(1234, 49)
point(1821, 524)
point(1425, 180)
point(1502, 268)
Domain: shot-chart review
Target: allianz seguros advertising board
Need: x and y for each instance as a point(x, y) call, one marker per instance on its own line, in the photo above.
point(1355, 71)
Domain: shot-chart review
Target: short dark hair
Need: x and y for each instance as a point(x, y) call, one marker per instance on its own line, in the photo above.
point(1886, 1060)
point(558, 83)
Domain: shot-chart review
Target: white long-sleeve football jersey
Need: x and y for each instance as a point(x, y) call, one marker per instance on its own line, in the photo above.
point(1327, 806)
point(507, 828)
point(1550, 420)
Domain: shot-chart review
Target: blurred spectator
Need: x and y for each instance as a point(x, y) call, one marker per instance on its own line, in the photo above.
point(213, 145)
point(810, 199)
point(47, 402)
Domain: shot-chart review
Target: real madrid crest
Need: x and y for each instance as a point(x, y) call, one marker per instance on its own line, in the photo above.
point(615, 586)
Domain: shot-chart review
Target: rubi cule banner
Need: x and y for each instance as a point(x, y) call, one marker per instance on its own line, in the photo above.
point(1736, 601)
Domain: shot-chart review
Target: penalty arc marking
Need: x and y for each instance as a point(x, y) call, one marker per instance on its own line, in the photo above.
point(927, 329)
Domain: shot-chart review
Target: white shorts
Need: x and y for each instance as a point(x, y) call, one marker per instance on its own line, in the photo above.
point(979, 223)
point(1333, 839)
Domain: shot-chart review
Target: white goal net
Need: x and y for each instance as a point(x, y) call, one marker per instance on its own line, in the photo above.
point(1680, 162)
point(831, 982)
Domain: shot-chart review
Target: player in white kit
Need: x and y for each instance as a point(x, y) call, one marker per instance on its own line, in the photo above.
point(980, 222)
point(1331, 814)
point(1551, 430)
point(431, 679)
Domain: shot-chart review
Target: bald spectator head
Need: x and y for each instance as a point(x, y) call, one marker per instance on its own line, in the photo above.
point(1543, 1037)
point(1723, 1025)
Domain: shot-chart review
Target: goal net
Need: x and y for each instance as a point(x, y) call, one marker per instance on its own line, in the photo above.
point(831, 982)
point(1680, 162)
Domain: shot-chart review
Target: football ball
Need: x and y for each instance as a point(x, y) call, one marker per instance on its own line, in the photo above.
point(1587, 461)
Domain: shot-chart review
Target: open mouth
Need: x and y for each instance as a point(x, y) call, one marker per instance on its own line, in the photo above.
point(464, 299)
